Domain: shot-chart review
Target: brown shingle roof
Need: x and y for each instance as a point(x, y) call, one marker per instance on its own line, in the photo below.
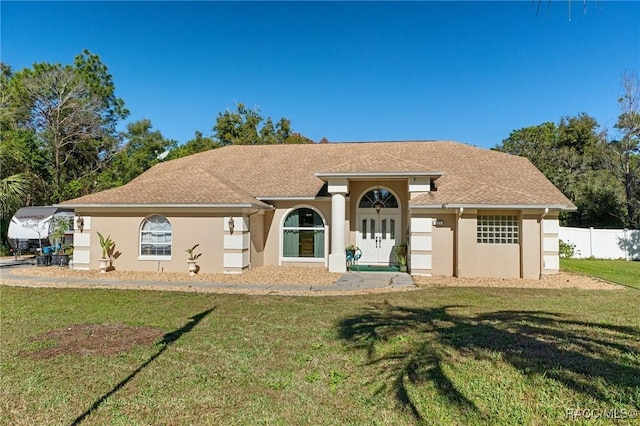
point(180, 184)
point(239, 174)
point(375, 163)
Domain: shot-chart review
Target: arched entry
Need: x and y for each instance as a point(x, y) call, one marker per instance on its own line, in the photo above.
point(378, 226)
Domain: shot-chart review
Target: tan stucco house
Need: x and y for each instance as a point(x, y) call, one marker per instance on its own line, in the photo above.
point(462, 211)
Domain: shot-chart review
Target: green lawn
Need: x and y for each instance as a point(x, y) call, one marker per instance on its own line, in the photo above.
point(616, 271)
point(463, 356)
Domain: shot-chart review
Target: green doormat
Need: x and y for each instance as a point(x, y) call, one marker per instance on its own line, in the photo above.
point(373, 268)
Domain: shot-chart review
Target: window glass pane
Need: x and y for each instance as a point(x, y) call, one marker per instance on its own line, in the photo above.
point(291, 243)
point(384, 229)
point(155, 236)
point(373, 229)
point(318, 243)
point(392, 225)
point(303, 218)
point(363, 231)
point(306, 244)
point(498, 229)
point(303, 242)
point(386, 197)
point(293, 220)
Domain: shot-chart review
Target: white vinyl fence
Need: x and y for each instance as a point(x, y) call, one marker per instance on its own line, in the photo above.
point(602, 243)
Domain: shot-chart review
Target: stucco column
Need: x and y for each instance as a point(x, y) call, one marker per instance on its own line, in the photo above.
point(337, 257)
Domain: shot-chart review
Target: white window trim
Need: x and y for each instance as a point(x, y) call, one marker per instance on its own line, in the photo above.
point(372, 188)
point(153, 257)
point(281, 257)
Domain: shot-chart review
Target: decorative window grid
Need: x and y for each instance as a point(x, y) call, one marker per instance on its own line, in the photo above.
point(155, 237)
point(498, 229)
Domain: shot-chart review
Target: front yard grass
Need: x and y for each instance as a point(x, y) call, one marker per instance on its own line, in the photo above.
point(615, 271)
point(433, 356)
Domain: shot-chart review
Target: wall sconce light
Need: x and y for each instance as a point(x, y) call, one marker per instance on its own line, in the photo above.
point(80, 223)
point(231, 225)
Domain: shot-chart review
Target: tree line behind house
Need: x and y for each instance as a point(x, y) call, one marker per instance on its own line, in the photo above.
point(58, 127)
point(597, 169)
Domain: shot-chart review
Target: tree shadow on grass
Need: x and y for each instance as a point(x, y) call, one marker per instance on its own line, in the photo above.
point(589, 358)
point(166, 341)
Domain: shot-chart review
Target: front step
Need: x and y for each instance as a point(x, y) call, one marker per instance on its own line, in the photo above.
point(374, 268)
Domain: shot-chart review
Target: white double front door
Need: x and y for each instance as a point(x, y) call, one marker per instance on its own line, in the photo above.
point(376, 236)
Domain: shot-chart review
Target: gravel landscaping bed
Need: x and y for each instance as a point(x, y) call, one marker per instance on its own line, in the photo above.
point(302, 277)
point(561, 280)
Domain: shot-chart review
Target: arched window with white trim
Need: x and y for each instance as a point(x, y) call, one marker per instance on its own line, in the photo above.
point(303, 235)
point(155, 237)
point(378, 197)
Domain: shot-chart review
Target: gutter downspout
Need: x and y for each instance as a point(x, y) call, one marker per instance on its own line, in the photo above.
point(460, 211)
point(544, 214)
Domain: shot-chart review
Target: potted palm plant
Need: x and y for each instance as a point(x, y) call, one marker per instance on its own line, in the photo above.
point(401, 257)
point(66, 253)
point(193, 258)
point(66, 258)
point(59, 225)
point(107, 250)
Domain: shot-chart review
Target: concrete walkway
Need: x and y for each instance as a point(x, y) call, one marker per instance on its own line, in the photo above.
point(350, 281)
point(20, 261)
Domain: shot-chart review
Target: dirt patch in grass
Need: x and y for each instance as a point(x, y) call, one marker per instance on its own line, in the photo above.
point(93, 339)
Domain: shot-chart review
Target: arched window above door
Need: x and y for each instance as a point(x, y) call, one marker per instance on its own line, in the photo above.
point(381, 196)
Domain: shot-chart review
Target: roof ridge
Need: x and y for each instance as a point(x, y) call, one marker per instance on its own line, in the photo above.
point(225, 182)
point(346, 163)
point(397, 161)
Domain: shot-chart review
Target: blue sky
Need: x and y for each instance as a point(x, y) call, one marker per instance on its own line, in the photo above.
point(465, 71)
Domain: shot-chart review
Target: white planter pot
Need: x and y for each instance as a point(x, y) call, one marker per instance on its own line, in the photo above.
point(192, 267)
point(103, 264)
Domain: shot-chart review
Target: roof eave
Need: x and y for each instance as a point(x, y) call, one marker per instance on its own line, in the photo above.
point(495, 206)
point(361, 175)
point(292, 198)
point(261, 206)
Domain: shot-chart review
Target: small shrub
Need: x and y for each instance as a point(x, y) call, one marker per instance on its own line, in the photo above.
point(567, 250)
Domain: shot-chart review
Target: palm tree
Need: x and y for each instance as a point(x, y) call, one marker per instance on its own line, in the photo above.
point(13, 190)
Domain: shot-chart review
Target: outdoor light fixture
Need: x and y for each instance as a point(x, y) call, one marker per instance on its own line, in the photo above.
point(80, 223)
point(377, 204)
point(231, 225)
